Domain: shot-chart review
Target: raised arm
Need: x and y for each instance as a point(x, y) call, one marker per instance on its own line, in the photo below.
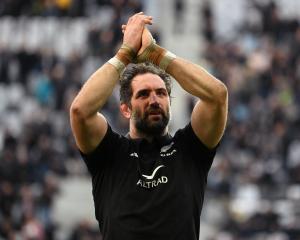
point(88, 125)
point(209, 115)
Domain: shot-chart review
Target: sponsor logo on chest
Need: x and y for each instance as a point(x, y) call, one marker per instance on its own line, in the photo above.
point(152, 183)
point(153, 180)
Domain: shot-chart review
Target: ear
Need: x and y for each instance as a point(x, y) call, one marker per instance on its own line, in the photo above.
point(125, 110)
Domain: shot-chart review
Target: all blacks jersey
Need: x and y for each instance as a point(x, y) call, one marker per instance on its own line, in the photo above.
point(149, 191)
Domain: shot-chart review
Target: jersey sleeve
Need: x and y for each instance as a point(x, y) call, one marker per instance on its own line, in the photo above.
point(103, 155)
point(198, 152)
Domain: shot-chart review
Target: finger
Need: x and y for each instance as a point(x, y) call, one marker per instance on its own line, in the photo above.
point(148, 18)
point(135, 15)
point(140, 17)
point(123, 26)
point(148, 21)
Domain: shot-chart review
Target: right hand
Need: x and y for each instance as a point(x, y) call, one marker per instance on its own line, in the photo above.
point(146, 40)
point(134, 30)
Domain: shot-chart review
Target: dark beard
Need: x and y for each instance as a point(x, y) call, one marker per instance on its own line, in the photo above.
point(154, 128)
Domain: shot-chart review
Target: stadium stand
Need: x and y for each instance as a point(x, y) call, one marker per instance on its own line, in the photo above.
point(47, 50)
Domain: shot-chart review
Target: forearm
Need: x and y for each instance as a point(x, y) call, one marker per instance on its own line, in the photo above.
point(197, 81)
point(89, 126)
point(209, 115)
point(194, 79)
point(96, 91)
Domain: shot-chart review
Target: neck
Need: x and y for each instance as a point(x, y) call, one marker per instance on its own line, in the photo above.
point(134, 134)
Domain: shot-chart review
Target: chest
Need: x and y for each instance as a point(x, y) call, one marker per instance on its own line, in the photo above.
point(156, 177)
point(148, 188)
point(152, 169)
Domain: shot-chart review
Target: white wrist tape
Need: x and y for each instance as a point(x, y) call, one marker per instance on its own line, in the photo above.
point(119, 65)
point(166, 60)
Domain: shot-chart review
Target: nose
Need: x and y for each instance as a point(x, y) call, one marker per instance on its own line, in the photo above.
point(153, 98)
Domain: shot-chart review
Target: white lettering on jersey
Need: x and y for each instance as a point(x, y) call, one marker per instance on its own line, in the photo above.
point(153, 183)
point(165, 150)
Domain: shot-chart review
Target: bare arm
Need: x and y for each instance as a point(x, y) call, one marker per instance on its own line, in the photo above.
point(209, 115)
point(89, 126)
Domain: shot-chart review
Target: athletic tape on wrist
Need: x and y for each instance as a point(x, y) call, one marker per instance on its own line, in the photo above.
point(129, 50)
point(157, 55)
point(145, 55)
point(119, 65)
point(166, 60)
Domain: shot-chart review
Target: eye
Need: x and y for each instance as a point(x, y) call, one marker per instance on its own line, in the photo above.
point(142, 94)
point(161, 92)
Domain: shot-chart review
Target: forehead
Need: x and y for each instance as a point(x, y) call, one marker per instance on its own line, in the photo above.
point(147, 81)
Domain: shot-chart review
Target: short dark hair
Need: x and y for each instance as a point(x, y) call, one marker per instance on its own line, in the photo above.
point(133, 70)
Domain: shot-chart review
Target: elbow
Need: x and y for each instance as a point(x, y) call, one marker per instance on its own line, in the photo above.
point(221, 94)
point(77, 111)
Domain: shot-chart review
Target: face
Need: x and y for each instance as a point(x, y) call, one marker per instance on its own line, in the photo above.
point(150, 104)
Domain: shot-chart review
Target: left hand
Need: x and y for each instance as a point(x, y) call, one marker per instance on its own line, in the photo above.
point(133, 30)
point(146, 39)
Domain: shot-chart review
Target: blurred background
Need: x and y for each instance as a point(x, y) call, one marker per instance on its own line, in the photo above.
point(48, 48)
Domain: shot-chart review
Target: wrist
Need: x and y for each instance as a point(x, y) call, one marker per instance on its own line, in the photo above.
point(126, 54)
point(166, 60)
point(157, 55)
point(118, 65)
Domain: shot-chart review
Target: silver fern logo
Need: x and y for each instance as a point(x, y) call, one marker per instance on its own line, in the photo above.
point(166, 148)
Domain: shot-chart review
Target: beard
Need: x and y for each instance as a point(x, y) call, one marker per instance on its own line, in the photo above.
point(149, 124)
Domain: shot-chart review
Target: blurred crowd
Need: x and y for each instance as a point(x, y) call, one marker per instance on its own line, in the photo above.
point(37, 86)
point(256, 174)
point(63, 8)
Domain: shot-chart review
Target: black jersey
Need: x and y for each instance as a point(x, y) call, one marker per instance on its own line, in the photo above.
point(149, 191)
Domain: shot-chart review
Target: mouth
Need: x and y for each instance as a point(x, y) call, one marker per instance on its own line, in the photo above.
point(154, 112)
point(155, 115)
